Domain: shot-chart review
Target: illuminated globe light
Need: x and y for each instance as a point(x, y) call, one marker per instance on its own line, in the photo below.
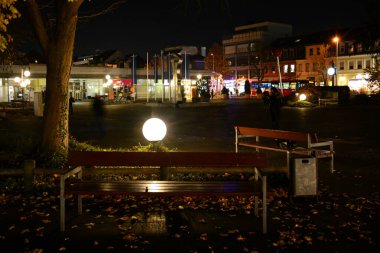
point(27, 73)
point(154, 129)
point(302, 97)
point(17, 79)
point(330, 71)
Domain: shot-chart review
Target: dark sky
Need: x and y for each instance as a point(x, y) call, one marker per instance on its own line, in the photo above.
point(140, 26)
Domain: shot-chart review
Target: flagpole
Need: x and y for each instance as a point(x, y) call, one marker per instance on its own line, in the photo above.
point(147, 77)
point(155, 76)
point(162, 74)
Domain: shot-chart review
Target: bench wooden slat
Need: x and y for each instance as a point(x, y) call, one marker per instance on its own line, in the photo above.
point(274, 134)
point(166, 159)
point(162, 187)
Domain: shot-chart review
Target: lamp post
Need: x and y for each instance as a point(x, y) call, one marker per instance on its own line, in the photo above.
point(154, 130)
point(336, 40)
point(213, 65)
point(23, 81)
point(107, 84)
point(331, 72)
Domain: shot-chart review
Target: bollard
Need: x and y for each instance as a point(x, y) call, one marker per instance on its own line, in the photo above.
point(29, 166)
point(164, 173)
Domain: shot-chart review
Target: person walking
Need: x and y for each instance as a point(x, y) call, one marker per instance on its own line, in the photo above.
point(98, 107)
point(275, 103)
point(71, 101)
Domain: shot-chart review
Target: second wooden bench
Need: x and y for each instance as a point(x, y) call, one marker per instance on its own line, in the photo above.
point(289, 142)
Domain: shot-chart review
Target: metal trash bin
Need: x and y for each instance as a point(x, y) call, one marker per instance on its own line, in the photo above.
point(304, 176)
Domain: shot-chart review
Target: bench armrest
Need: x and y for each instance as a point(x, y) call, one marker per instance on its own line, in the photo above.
point(322, 144)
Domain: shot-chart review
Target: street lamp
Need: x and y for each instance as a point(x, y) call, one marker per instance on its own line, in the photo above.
point(213, 66)
point(107, 85)
point(332, 72)
point(154, 130)
point(336, 40)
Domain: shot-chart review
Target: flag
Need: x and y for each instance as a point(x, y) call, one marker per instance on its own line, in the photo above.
point(155, 69)
point(169, 68)
point(185, 66)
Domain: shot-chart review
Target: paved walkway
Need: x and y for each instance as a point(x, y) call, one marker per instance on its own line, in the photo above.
point(344, 217)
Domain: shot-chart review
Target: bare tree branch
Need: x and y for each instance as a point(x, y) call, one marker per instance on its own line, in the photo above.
point(38, 24)
point(104, 11)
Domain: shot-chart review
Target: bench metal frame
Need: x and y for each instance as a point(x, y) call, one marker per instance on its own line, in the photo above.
point(78, 160)
point(254, 138)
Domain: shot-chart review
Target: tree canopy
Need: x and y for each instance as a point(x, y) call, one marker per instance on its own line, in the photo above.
point(8, 12)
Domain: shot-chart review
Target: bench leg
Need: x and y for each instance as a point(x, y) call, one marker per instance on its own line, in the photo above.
point(288, 163)
point(256, 196)
point(332, 164)
point(264, 204)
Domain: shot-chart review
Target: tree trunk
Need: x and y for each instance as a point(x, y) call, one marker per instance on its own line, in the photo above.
point(55, 137)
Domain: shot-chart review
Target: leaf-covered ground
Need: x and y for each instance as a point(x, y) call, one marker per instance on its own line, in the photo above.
point(331, 222)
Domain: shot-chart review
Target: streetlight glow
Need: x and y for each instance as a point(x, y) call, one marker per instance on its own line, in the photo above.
point(336, 40)
point(213, 69)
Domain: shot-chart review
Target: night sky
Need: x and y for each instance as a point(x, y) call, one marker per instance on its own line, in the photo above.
point(141, 26)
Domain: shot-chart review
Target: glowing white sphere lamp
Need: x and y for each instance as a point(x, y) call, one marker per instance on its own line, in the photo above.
point(154, 129)
point(302, 97)
point(26, 73)
point(331, 71)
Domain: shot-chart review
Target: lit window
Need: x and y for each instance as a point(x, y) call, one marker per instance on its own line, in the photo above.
point(292, 68)
point(286, 68)
point(367, 63)
point(360, 64)
point(351, 65)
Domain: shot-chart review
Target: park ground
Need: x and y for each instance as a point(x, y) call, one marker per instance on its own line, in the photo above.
point(344, 217)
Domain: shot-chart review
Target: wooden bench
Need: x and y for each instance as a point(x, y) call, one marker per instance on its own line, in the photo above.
point(80, 160)
point(291, 143)
point(327, 101)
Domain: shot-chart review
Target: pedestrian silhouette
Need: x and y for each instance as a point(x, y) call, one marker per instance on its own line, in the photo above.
point(275, 102)
point(71, 101)
point(98, 107)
